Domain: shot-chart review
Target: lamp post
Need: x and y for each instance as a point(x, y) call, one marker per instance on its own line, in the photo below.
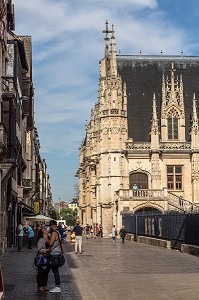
point(59, 206)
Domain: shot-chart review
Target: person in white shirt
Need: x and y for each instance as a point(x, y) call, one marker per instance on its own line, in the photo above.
point(20, 234)
point(114, 234)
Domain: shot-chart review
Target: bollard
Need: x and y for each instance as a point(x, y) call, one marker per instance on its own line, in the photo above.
point(169, 245)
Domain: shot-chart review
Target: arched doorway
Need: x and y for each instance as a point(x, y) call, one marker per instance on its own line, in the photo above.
point(140, 179)
point(148, 211)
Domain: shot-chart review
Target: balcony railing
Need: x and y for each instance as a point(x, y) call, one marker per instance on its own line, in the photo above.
point(179, 203)
point(171, 201)
point(141, 194)
point(27, 183)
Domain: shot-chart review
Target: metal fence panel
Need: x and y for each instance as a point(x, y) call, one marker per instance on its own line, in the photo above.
point(178, 228)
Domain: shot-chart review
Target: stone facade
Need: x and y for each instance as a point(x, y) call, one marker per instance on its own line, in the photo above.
point(139, 137)
point(24, 181)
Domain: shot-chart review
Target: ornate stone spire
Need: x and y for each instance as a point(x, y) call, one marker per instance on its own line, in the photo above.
point(195, 118)
point(172, 108)
point(106, 51)
point(194, 127)
point(181, 96)
point(172, 93)
point(195, 149)
point(125, 97)
point(164, 90)
point(113, 64)
point(154, 110)
point(154, 126)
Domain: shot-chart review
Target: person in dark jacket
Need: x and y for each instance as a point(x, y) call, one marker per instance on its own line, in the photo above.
point(123, 233)
point(61, 231)
point(78, 237)
point(100, 231)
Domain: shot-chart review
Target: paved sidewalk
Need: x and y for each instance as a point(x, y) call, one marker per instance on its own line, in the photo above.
point(138, 271)
point(20, 277)
point(107, 271)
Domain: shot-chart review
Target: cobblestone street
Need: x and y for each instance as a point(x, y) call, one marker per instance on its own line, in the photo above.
point(107, 271)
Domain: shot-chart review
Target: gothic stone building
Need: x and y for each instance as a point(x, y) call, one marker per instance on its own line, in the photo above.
point(143, 133)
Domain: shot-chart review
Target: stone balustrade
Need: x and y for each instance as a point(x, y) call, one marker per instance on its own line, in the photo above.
point(141, 194)
point(171, 200)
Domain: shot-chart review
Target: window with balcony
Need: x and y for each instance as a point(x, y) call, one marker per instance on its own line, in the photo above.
point(174, 177)
point(140, 179)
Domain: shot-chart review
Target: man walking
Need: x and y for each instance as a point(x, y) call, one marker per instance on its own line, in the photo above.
point(123, 233)
point(20, 233)
point(31, 235)
point(96, 230)
point(87, 231)
point(78, 237)
point(114, 234)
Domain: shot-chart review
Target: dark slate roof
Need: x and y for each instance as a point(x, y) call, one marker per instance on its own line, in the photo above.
point(143, 77)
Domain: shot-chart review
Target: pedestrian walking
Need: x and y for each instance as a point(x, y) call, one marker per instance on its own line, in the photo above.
point(96, 230)
point(100, 231)
point(91, 231)
point(87, 230)
point(25, 235)
point(43, 249)
point(123, 233)
point(37, 230)
point(114, 234)
point(31, 234)
point(20, 234)
point(55, 250)
point(78, 238)
point(61, 231)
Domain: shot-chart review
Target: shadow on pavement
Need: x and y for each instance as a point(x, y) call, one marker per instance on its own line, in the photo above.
point(20, 276)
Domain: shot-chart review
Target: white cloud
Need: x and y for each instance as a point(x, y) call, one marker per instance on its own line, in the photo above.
point(67, 46)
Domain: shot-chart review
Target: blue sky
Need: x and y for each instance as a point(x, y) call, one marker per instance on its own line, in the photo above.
point(67, 46)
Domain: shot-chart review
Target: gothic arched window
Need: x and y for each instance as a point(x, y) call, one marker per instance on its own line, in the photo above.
point(173, 126)
point(140, 179)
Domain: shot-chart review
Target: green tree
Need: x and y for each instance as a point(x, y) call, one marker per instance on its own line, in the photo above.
point(69, 215)
point(54, 214)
